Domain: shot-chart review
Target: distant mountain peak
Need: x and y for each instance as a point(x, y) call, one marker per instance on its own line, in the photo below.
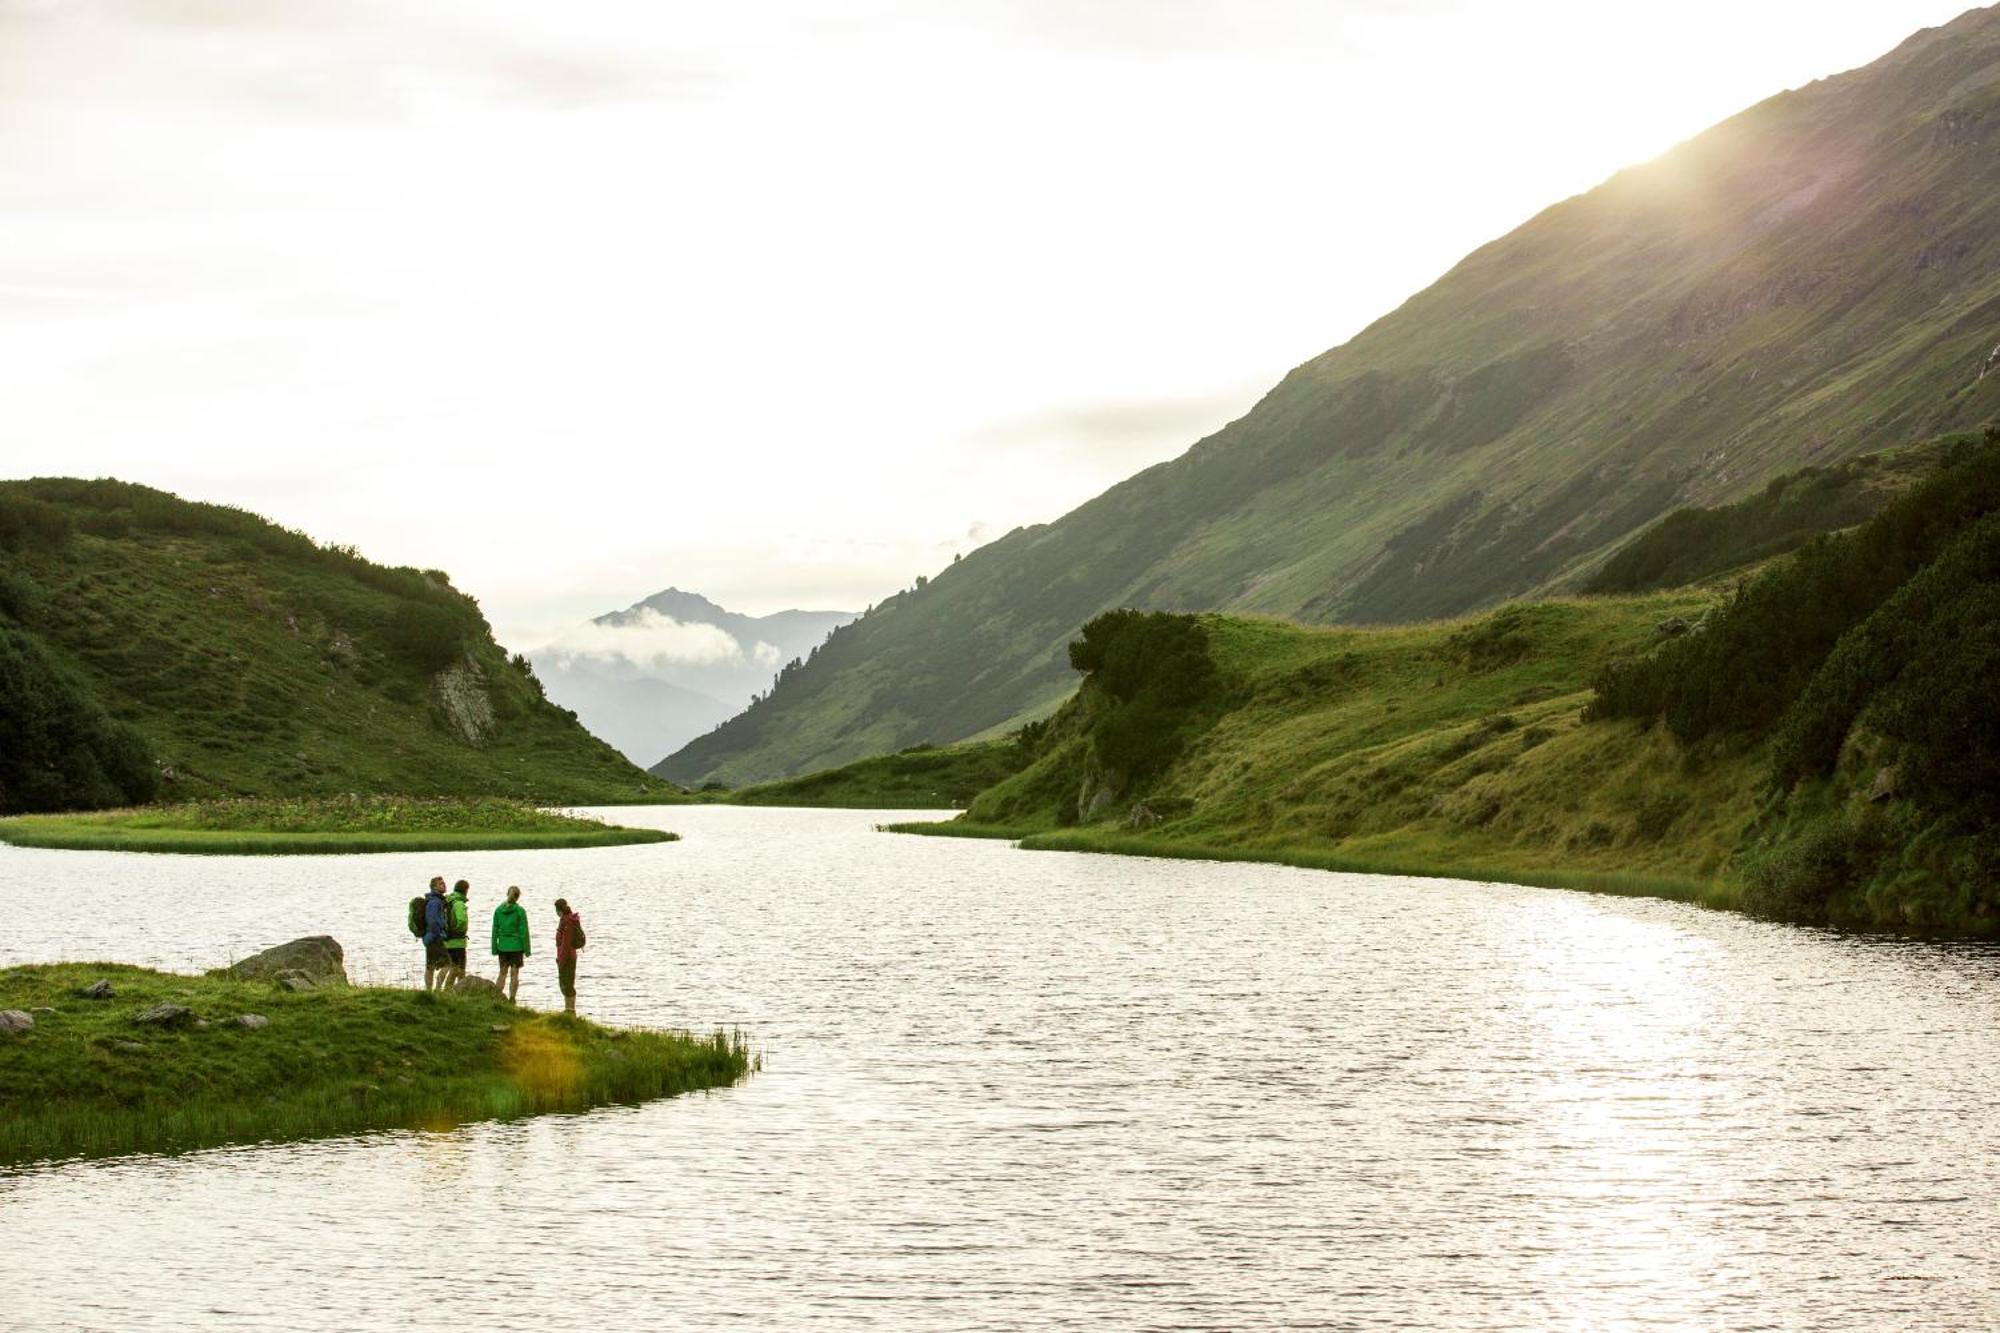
point(671, 666)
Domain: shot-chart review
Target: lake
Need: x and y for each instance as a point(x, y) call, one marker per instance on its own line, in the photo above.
point(1025, 1090)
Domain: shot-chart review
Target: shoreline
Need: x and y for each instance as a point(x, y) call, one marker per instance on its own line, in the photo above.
point(1715, 894)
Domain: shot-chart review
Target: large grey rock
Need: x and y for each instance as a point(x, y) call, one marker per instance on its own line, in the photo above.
point(166, 1015)
point(16, 1020)
point(318, 958)
point(471, 985)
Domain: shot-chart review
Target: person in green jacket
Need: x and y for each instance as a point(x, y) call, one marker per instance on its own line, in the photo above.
point(510, 940)
point(460, 916)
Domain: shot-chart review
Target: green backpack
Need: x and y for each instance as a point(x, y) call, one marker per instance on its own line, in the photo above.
point(417, 916)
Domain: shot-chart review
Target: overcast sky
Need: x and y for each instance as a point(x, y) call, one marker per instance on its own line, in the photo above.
point(784, 303)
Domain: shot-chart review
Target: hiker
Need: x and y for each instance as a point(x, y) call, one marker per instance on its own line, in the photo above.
point(437, 920)
point(461, 926)
point(569, 938)
point(510, 940)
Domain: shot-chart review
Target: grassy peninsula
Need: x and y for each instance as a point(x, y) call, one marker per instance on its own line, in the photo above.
point(306, 825)
point(90, 1079)
point(1812, 740)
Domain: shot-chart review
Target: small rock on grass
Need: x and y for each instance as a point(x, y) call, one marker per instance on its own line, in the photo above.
point(165, 1015)
point(16, 1020)
point(250, 1022)
point(98, 990)
point(500, 1027)
point(131, 1046)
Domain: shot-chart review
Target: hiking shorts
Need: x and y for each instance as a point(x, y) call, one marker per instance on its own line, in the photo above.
point(457, 956)
point(435, 955)
point(511, 957)
point(566, 975)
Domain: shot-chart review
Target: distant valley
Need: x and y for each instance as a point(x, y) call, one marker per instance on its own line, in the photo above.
point(663, 671)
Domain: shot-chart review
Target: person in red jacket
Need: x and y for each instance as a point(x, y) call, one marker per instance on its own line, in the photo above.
point(569, 938)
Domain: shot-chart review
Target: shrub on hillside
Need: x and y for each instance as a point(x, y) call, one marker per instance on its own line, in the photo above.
point(1798, 879)
point(1157, 671)
point(58, 749)
point(424, 637)
point(1758, 653)
point(27, 522)
point(1158, 653)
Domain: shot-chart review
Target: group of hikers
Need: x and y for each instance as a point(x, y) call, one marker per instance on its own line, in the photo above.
point(443, 921)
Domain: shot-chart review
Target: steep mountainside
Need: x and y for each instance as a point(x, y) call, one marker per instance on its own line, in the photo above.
point(152, 647)
point(652, 677)
point(1817, 275)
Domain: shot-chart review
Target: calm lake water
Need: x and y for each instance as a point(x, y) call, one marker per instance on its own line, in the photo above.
point(1021, 1090)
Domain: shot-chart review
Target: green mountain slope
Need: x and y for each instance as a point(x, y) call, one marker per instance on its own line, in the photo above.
point(1817, 275)
point(1820, 745)
point(152, 647)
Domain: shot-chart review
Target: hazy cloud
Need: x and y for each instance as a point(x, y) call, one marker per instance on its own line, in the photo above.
point(358, 60)
point(651, 641)
point(1127, 434)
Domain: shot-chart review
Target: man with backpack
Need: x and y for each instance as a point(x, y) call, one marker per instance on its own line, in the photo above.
point(459, 914)
point(569, 939)
point(429, 921)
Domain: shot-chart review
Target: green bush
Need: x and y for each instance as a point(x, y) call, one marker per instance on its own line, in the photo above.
point(424, 637)
point(20, 596)
point(1758, 653)
point(1798, 879)
point(1156, 670)
point(1163, 655)
point(28, 522)
point(58, 749)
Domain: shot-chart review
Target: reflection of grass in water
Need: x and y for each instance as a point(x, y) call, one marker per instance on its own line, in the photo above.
point(322, 825)
point(90, 1081)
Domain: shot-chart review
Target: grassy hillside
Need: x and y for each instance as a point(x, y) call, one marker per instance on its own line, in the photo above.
point(921, 778)
point(1819, 744)
point(1690, 545)
point(1818, 275)
point(90, 1078)
point(155, 648)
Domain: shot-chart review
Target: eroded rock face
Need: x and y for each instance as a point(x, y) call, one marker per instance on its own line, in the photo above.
point(317, 958)
point(16, 1020)
point(461, 697)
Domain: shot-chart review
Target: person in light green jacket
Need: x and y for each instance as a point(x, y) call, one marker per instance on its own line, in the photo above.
point(459, 914)
point(510, 940)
